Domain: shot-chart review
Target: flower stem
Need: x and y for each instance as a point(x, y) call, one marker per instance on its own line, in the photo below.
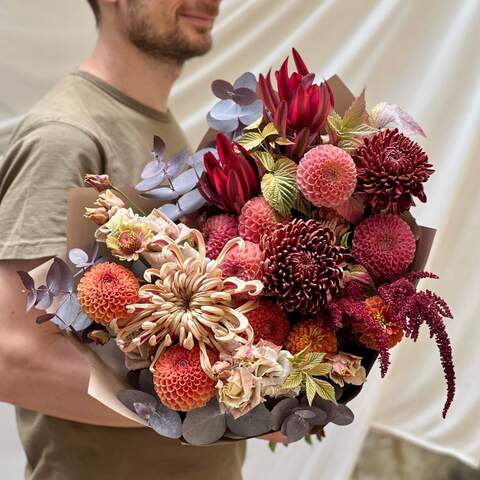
point(129, 200)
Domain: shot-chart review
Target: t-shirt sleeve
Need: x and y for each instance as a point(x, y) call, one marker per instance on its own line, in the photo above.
point(36, 173)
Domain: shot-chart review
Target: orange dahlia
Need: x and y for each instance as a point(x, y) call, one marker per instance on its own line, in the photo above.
point(310, 333)
point(179, 380)
point(269, 322)
point(105, 291)
point(380, 312)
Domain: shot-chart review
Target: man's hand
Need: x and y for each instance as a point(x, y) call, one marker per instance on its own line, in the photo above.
point(277, 437)
point(40, 369)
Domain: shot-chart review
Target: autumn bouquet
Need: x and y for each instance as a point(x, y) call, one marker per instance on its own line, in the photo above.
point(256, 286)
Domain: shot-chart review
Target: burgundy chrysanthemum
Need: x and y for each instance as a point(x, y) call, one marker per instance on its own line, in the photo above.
point(384, 245)
point(303, 267)
point(391, 170)
point(217, 231)
point(326, 175)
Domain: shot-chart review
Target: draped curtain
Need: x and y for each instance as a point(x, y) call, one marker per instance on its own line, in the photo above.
point(422, 55)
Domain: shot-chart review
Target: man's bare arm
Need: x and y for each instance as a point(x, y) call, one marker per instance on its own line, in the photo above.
point(40, 369)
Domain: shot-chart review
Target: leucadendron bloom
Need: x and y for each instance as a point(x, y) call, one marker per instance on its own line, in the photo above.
point(251, 374)
point(346, 368)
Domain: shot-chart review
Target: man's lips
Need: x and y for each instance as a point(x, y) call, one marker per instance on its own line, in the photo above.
point(199, 19)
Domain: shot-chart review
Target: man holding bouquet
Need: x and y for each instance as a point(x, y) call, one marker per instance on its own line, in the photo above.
point(99, 119)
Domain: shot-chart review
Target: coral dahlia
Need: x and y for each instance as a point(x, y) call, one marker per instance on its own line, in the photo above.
point(391, 171)
point(256, 218)
point(303, 267)
point(326, 175)
point(384, 245)
point(244, 263)
point(217, 231)
point(105, 291)
point(310, 333)
point(269, 322)
point(179, 380)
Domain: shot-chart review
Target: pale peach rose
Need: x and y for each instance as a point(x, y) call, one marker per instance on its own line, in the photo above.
point(346, 368)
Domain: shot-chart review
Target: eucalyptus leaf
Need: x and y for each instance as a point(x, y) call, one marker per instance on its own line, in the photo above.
point(129, 397)
point(158, 147)
point(244, 96)
point(191, 201)
point(205, 425)
point(44, 298)
point(227, 125)
point(282, 410)
point(26, 279)
point(253, 423)
point(166, 422)
point(70, 314)
point(59, 277)
point(171, 211)
point(185, 182)
point(222, 89)
point(246, 80)
point(44, 318)
point(163, 193)
point(151, 182)
point(145, 381)
point(251, 112)
point(295, 428)
point(78, 257)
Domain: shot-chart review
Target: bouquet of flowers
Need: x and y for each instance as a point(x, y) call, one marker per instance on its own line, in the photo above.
point(255, 287)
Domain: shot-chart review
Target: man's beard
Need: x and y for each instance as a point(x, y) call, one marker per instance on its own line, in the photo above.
point(170, 46)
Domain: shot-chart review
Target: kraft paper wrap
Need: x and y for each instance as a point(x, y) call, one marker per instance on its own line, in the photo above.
point(107, 369)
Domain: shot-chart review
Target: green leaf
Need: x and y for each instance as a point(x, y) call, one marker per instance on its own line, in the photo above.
point(335, 122)
point(308, 439)
point(255, 125)
point(283, 141)
point(310, 388)
point(250, 140)
point(303, 205)
point(356, 113)
point(269, 130)
point(266, 159)
point(325, 390)
point(294, 380)
point(272, 446)
point(320, 370)
point(279, 187)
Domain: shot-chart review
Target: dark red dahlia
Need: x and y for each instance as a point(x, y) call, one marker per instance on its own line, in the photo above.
point(299, 109)
point(391, 170)
point(229, 182)
point(303, 267)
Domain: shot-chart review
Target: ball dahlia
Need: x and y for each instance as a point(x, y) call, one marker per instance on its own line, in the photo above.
point(269, 322)
point(384, 245)
point(244, 263)
point(310, 333)
point(326, 175)
point(105, 291)
point(179, 380)
point(256, 218)
point(391, 171)
point(380, 313)
point(303, 267)
point(217, 231)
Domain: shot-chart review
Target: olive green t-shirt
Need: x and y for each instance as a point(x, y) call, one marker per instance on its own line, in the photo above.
point(85, 126)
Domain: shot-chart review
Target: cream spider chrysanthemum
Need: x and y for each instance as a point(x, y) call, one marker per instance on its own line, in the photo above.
point(187, 300)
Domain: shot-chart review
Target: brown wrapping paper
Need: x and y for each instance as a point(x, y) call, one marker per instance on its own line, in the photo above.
point(107, 371)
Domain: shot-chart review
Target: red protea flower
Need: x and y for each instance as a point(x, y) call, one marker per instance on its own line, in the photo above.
point(300, 108)
point(105, 291)
point(303, 267)
point(384, 245)
point(391, 171)
point(179, 380)
point(311, 334)
point(229, 182)
point(256, 218)
point(217, 231)
point(326, 175)
point(269, 322)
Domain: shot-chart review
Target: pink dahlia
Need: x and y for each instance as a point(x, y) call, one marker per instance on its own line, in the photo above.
point(391, 171)
point(217, 231)
point(244, 263)
point(256, 218)
point(326, 175)
point(384, 245)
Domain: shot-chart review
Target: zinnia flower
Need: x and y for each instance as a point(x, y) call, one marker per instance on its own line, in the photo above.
point(129, 240)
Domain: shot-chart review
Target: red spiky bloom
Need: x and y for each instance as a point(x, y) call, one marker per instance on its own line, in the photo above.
point(391, 171)
point(380, 312)
point(244, 263)
point(384, 245)
point(269, 322)
point(299, 109)
point(229, 182)
point(105, 291)
point(256, 218)
point(413, 309)
point(217, 231)
point(179, 380)
point(311, 334)
point(326, 175)
point(303, 267)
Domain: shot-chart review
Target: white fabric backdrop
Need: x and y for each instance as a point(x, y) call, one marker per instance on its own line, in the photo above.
point(421, 55)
